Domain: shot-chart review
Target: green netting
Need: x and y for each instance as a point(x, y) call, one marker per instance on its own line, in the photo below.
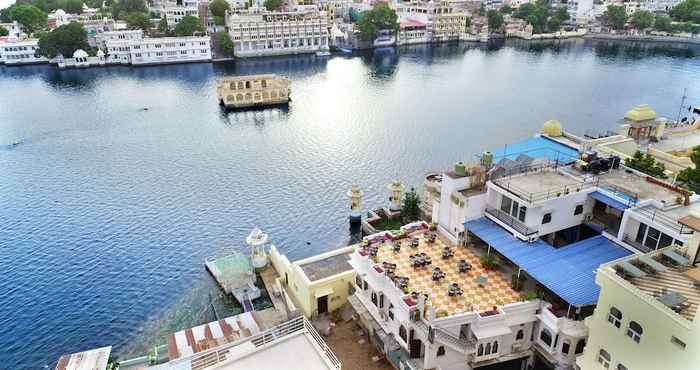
point(235, 269)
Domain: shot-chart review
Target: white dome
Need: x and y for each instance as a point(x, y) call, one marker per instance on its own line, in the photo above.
point(80, 53)
point(60, 13)
point(100, 53)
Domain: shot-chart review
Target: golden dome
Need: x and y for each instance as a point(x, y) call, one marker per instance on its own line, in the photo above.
point(552, 128)
point(641, 112)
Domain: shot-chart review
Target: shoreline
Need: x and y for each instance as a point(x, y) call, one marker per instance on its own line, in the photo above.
point(643, 38)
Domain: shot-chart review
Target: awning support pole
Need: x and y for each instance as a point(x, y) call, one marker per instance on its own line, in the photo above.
point(568, 310)
point(488, 252)
point(518, 273)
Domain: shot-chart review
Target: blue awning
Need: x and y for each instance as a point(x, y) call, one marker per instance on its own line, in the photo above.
point(612, 202)
point(568, 271)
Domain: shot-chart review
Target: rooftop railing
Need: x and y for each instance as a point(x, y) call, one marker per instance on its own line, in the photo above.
point(511, 221)
point(659, 217)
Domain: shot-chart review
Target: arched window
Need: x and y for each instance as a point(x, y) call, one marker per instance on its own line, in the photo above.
point(247, 84)
point(565, 347)
point(232, 86)
point(374, 298)
point(239, 97)
point(580, 346)
point(358, 281)
point(604, 358)
point(266, 95)
point(240, 84)
point(494, 349)
point(546, 337)
point(480, 351)
point(635, 331)
point(621, 367)
point(402, 334)
point(441, 351)
point(229, 97)
point(257, 96)
point(248, 96)
point(520, 335)
point(488, 349)
point(263, 83)
point(615, 317)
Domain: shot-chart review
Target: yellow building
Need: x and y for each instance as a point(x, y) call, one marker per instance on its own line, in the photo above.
point(317, 284)
point(646, 317)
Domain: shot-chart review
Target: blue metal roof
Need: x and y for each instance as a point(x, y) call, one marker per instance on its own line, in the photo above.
point(612, 202)
point(537, 147)
point(568, 271)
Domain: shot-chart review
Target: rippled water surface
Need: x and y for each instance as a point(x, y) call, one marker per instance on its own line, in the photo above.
point(107, 211)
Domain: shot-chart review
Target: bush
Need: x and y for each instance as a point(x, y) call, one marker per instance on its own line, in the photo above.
point(490, 261)
point(647, 164)
point(225, 44)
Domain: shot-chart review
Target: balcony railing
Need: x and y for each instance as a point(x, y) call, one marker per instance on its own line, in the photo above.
point(631, 241)
point(511, 221)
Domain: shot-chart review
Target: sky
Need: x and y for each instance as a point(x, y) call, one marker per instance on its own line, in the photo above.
point(6, 3)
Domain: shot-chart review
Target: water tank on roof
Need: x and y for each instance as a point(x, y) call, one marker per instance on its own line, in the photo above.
point(460, 169)
point(487, 159)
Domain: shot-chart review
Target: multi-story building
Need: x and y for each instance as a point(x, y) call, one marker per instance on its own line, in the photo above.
point(162, 50)
point(174, 11)
point(440, 20)
point(126, 35)
point(14, 51)
point(261, 33)
point(647, 311)
point(13, 29)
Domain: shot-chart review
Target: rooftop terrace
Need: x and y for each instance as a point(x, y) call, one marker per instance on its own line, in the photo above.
point(326, 267)
point(636, 185)
point(542, 184)
point(661, 276)
point(495, 290)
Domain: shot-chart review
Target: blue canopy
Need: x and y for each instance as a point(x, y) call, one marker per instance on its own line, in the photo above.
point(568, 271)
point(612, 202)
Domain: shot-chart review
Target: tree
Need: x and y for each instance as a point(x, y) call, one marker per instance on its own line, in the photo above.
point(535, 14)
point(642, 19)
point(219, 7)
point(163, 26)
point(685, 10)
point(691, 176)
point(4, 31)
point(468, 25)
point(554, 24)
point(662, 23)
point(615, 16)
point(125, 7)
point(495, 20)
point(64, 40)
point(524, 11)
point(219, 21)
point(74, 6)
point(273, 4)
point(506, 9)
point(562, 14)
point(381, 17)
point(225, 44)
point(138, 21)
point(189, 25)
point(29, 16)
point(647, 164)
point(410, 210)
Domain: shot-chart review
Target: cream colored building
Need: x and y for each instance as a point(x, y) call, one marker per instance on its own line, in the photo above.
point(317, 284)
point(443, 22)
point(262, 33)
point(646, 318)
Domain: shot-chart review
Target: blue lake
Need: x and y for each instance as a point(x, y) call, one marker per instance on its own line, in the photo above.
point(108, 211)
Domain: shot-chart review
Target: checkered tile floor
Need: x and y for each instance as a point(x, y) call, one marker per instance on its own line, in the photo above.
point(496, 291)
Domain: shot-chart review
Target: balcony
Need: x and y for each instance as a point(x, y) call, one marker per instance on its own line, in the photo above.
point(510, 221)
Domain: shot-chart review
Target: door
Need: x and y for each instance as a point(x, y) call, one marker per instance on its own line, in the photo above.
point(322, 304)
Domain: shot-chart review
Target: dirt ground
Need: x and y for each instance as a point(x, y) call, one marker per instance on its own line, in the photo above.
point(344, 341)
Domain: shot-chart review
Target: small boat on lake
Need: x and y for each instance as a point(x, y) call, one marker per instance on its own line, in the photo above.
point(253, 91)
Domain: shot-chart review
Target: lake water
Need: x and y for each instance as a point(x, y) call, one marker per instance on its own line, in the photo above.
point(107, 211)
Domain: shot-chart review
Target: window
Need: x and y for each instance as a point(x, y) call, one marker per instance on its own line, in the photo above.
point(580, 346)
point(652, 238)
point(547, 218)
point(364, 283)
point(565, 347)
point(604, 358)
point(391, 311)
point(381, 301)
point(635, 331)
point(494, 348)
point(621, 367)
point(678, 342)
point(402, 334)
point(520, 335)
point(441, 351)
point(523, 211)
point(578, 210)
point(505, 204)
point(358, 281)
point(480, 351)
point(546, 337)
point(615, 316)
point(374, 299)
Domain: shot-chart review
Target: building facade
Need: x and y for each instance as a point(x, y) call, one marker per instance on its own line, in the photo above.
point(17, 52)
point(433, 21)
point(264, 33)
point(162, 50)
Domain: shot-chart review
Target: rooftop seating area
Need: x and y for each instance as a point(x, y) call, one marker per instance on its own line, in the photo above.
point(452, 277)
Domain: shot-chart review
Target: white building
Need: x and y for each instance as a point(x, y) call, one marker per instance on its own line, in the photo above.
point(430, 21)
point(13, 29)
point(16, 52)
point(161, 50)
point(278, 33)
point(124, 35)
point(174, 12)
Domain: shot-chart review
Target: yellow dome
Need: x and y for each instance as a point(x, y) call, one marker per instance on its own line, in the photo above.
point(552, 128)
point(641, 112)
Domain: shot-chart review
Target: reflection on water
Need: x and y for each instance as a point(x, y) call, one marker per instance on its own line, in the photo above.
point(109, 210)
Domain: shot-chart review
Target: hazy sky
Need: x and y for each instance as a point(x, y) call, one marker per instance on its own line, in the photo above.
point(6, 3)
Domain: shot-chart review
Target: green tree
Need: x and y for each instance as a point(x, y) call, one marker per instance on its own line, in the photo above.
point(219, 21)
point(225, 44)
point(524, 11)
point(125, 7)
point(553, 24)
point(642, 19)
point(4, 31)
point(64, 40)
point(29, 16)
point(468, 25)
point(138, 21)
point(495, 20)
point(410, 210)
point(647, 164)
point(684, 10)
point(219, 7)
point(189, 25)
point(562, 14)
point(163, 26)
point(273, 4)
point(615, 16)
point(535, 14)
point(662, 23)
point(380, 17)
point(506, 9)
point(691, 176)
point(74, 6)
